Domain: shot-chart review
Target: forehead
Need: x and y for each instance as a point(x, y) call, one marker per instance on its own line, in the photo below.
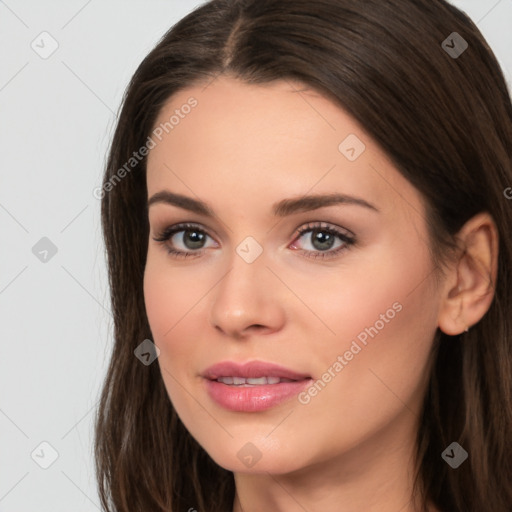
point(243, 144)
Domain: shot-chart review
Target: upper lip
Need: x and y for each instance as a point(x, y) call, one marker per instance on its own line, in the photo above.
point(251, 370)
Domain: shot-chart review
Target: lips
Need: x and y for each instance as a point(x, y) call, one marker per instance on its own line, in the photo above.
point(254, 386)
point(252, 370)
point(259, 381)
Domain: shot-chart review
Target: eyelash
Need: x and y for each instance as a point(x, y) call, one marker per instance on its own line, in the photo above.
point(165, 235)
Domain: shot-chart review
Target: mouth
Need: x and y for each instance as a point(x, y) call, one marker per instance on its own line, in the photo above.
point(254, 386)
point(252, 372)
point(258, 381)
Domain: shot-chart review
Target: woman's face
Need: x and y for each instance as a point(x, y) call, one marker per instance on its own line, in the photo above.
point(336, 299)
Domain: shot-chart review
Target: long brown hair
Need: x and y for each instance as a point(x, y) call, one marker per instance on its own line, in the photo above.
point(446, 123)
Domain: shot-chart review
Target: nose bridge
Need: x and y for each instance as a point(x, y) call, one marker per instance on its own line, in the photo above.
point(243, 283)
point(245, 296)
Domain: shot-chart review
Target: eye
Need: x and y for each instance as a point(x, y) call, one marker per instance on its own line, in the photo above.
point(322, 240)
point(183, 240)
point(188, 240)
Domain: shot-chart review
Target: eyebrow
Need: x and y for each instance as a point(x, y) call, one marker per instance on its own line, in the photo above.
point(282, 208)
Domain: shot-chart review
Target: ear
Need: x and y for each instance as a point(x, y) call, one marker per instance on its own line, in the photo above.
point(470, 283)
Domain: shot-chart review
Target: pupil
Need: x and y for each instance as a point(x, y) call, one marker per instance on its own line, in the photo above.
point(195, 238)
point(325, 240)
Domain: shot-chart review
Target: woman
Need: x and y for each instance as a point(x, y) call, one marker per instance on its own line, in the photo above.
point(308, 239)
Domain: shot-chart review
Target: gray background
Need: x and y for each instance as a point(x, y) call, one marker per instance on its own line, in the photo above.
point(57, 115)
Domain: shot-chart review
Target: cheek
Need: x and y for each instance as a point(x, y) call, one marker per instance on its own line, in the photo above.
point(158, 297)
point(173, 305)
point(384, 320)
point(385, 294)
point(174, 299)
point(169, 293)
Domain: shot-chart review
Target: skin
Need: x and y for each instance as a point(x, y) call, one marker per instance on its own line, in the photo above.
point(243, 148)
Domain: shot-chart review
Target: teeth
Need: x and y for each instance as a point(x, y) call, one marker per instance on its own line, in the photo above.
point(259, 381)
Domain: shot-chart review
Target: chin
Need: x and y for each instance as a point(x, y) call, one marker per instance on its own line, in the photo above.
point(257, 456)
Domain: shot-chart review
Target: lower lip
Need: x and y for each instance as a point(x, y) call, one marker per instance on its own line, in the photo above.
point(254, 398)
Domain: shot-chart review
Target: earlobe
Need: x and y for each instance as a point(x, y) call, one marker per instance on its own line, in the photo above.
point(470, 283)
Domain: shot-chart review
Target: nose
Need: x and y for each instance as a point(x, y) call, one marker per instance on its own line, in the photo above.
point(249, 299)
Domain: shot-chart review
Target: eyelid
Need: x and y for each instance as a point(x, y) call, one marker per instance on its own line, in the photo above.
point(298, 231)
point(165, 233)
point(312, 225)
